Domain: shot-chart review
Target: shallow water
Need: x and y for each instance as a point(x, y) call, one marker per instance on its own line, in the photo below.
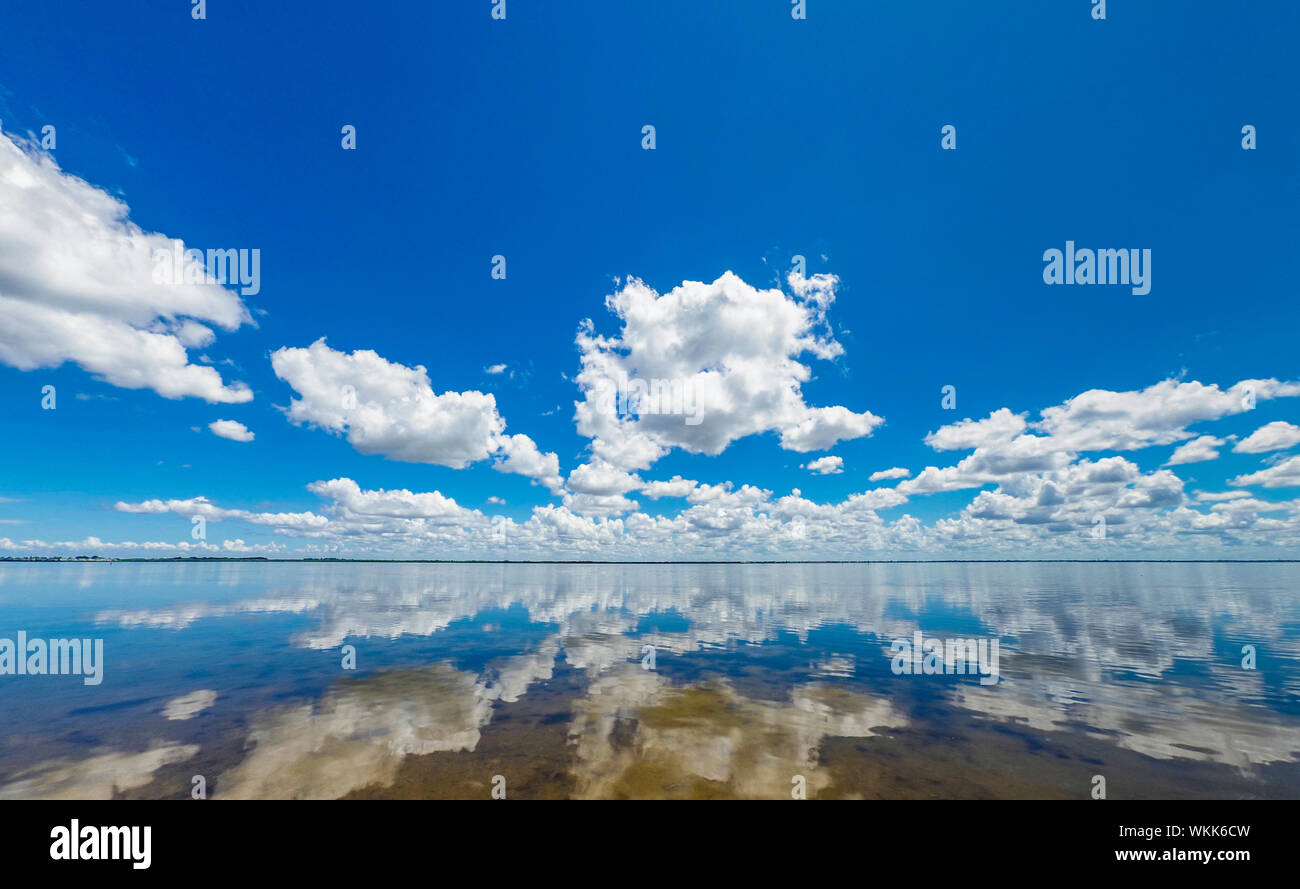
point(552, 681)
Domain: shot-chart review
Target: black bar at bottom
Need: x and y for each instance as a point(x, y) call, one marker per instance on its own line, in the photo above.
point(332, 841)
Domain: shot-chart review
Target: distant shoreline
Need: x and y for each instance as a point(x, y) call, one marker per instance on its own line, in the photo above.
point(261, 559)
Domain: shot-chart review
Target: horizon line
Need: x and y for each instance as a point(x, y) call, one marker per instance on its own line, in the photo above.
point(87, 559)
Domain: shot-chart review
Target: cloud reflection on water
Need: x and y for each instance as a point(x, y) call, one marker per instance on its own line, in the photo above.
point(1143, 655)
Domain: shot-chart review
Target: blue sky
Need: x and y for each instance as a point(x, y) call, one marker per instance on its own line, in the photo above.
point(775, 137)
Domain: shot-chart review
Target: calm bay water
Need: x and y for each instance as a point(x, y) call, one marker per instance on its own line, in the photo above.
point(654, 681)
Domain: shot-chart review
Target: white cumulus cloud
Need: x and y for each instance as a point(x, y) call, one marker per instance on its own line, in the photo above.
point(1276, 436)
point(1281, 475)
point(231, 429)
point(386, 408)
point(828, 465)
point(713, 363)
point(77, 285)
point(1198, 450)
